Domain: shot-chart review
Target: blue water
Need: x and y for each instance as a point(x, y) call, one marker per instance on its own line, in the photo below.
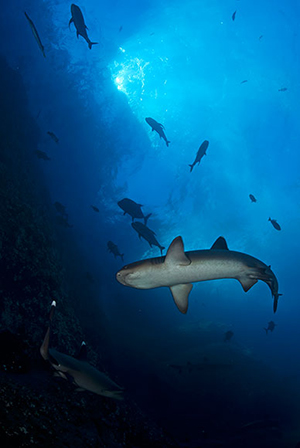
point(182, 63)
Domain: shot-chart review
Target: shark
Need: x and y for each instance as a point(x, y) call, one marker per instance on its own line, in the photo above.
point(78, 370)
point(178, 270)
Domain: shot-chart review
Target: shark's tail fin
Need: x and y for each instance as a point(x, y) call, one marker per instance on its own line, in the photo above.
point(146, 218)
point(192, 166)
point(167, 142)
point(161, 249)
point(92, 43)
point(275, 304)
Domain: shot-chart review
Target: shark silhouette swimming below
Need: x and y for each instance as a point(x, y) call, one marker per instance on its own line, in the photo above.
point(178, 269)
point(78, 370)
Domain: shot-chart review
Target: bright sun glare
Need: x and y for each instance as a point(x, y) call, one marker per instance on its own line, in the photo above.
point(129, 76)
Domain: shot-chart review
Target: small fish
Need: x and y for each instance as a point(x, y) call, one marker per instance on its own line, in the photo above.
point(260, 37)
point(245, 80)
point(113, 249)
point(77, 370)
point(271, 326)
point(120, 29)
point(203, 366)
point(201, 152)
point(41, 155)
point(259, 425)
point(53, 136)
point(78, 20)
point(146, 233)
point(133, 209)
point(35, 33)
point(274, 224)
point(96, 209)
point(233, 15)
point(158, 127)
point(228, 336)
point(283, 89)
point(63, 221)
point(252, 198)
point(60, 208)
point(89, 277)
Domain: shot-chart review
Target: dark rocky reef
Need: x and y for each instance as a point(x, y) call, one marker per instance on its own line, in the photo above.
point(35, 408)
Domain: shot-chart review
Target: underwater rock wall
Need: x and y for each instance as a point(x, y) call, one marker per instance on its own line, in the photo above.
point(35, 408)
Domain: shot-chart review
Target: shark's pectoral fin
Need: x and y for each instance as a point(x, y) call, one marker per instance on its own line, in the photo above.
point(247, 282)
point(71, 21)
point(180, 295)
point(59, 374)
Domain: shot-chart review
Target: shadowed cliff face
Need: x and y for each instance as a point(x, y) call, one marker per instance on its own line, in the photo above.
point(35, 408)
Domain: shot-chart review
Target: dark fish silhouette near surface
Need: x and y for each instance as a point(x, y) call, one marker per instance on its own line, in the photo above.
point(252, 198)
point(245, 80)
point(201, 152)
point(78, 20)
point(233, 15)
point(271, 326)
point(274, 224)
point(228, 336)
point(178, 269)
point(283, 89)
point(41, 155)
point(36, 34)
point(77, 370)
point(133, 209)
point(113, 248)
point(96, 209)
point(146, 233)
point(53, 136)
point(158, 127)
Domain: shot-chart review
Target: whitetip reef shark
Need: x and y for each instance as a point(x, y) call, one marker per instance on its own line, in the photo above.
point(178, 269)
point(78, 370)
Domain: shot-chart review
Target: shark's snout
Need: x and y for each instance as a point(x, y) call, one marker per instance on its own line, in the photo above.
point(120, 276)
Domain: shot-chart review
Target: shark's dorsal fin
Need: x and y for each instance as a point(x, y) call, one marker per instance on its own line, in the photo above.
point(82, 356)
point(219, 244)
point(180, 295)
point(175, 254)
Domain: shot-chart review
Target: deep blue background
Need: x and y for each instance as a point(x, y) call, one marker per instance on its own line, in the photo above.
point(183, 64)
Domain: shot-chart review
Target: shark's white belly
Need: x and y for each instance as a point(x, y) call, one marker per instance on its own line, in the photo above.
point(196, 271)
